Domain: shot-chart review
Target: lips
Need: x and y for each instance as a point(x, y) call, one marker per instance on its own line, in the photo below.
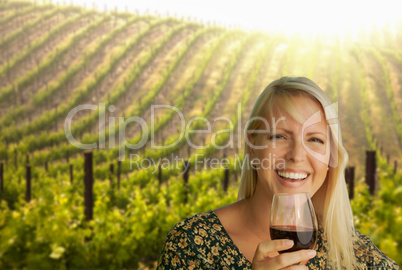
point(292, 178)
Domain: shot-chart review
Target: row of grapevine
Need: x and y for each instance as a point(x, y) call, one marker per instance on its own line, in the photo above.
point(224, 139)
point(117, 93)
point(12, 89)
point(207, 109)
point(221, 140)
point(20, 13)
point(396, 119)
point(136, 69)
point(38, 45)
point(48, 64)
point(186, 92)
point(27, 27)
point(244, 99)
point(365, 114)
point(14, 4)
point(45, 93)
point(36, 159)
point(179, 103)
point(14, 134)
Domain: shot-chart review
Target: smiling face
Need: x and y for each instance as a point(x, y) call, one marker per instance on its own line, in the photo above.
point(294, 154)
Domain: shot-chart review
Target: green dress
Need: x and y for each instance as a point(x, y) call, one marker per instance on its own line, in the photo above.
point(201, 242)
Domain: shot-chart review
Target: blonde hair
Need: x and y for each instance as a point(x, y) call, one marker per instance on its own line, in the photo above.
point(331, 201)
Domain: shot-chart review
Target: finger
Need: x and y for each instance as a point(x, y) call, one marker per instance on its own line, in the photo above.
point(267, 247)
point(291, 258)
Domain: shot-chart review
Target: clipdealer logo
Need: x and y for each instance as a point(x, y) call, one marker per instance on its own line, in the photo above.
point(116, 132)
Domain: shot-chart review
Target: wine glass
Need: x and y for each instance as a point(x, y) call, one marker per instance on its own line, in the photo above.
point(293, 217)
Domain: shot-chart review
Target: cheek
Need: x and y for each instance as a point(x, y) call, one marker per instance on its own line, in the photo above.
point(319, 148)
point(320, 173)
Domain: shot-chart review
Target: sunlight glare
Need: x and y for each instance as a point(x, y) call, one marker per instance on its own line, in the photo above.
point(287, 16)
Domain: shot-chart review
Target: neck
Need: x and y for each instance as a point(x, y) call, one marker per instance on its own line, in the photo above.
point(258, 209)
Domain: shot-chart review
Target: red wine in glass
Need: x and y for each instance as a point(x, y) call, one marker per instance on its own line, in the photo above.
point(293, 217)
point(303, 237)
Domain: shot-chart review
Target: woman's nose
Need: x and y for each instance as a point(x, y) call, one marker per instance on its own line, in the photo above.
point(296, 152)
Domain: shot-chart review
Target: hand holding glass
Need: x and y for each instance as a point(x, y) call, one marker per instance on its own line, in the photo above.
point(293, 217)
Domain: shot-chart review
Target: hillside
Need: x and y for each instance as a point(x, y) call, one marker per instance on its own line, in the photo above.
point(55, 58)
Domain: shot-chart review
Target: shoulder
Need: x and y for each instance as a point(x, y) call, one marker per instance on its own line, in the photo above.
point(197, 228)
point(188, 229)
point(191, 242)
point(368, 254)
point(194, 223)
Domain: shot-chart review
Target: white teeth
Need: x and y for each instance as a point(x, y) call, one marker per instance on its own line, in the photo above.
point(293, 175)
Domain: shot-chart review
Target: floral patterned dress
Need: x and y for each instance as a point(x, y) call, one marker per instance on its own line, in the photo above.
point(201, 242)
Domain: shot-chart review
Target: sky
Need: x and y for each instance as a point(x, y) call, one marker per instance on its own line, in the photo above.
point(289, 16)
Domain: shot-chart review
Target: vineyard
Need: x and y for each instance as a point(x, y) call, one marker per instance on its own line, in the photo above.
point(122, 90)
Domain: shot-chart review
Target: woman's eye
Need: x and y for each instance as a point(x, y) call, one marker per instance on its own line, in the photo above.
point(276, 137)
point(316, 140)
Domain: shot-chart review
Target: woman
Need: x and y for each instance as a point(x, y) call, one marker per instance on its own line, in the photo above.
point(292, 145)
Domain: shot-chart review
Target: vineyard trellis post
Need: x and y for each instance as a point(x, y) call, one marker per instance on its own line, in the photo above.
point(71, 174)
point(111, 169)
point(371, 167)
point(395, 166)
point(2, 176)
point(186, 165)
point(88, 186)
point(350, 180)
point(160, 174)
point(226, 179)
point(28, 183)
point(118, 173)
point(188, 152)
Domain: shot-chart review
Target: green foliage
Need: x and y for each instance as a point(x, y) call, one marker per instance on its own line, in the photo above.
point(51, 230)
point(380, 217)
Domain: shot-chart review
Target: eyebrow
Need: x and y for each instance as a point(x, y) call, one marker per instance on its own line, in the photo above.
point(316, 132)
point(307, 134)
point(287, 131)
